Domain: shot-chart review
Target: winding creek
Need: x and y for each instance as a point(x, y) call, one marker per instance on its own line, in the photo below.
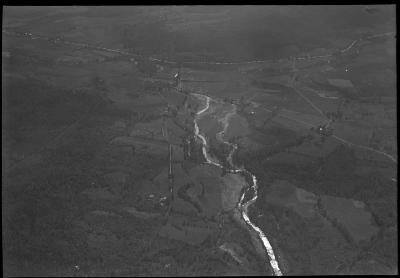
point(243, 207)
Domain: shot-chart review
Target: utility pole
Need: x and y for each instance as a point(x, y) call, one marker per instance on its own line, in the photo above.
point(178, 80)
point(294, 71)
point(338, 112)
point(188, 146)
point(294, 64)
point(170, 179)
point(170, 171)
point(185, 148)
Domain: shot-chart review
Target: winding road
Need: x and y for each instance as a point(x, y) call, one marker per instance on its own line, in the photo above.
point(119, 51)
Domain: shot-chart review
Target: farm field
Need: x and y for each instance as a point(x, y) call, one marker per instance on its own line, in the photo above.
point(178, 140)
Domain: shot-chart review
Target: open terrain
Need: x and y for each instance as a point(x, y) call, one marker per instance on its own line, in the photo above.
point(105, 173)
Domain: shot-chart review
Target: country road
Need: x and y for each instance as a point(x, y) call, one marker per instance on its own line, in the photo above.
point(87, 45)
point(316, 108)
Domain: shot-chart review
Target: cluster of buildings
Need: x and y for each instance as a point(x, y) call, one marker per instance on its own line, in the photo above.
point(324, 130)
